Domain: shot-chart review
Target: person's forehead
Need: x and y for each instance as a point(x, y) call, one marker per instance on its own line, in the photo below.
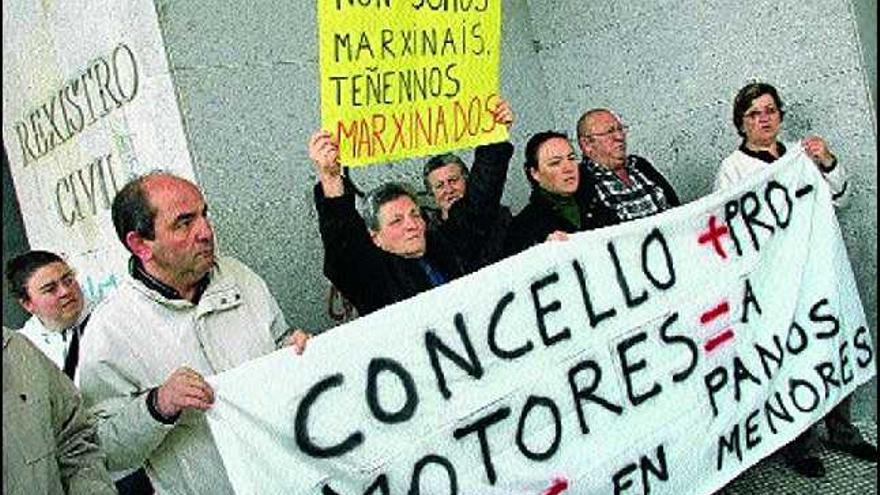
point(555, 146)
point(763, 100)
point(398, 204)
point(48, 273)
point(169, 195)
point(446, 169)
point(603, 118)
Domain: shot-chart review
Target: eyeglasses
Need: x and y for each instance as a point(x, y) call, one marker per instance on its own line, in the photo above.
point(767, 112)
point(622, 129)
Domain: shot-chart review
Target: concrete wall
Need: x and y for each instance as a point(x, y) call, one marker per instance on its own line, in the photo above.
point(866, 18)
point(14, 242)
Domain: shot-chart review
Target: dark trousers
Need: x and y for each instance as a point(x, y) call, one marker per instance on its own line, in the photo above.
point(838, 422)
point(136, 483)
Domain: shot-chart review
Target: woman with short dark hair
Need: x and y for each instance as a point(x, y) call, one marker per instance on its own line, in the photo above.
point(559, 204)
point(758, 116)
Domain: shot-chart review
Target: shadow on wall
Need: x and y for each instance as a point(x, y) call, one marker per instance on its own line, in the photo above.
point(14, 242)
point(798, 120)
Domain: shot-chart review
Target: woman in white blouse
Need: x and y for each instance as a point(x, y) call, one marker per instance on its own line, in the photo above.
point(758, 115)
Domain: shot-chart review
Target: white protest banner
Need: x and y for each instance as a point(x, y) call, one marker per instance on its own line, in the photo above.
point(664, 355)
point(88, 102)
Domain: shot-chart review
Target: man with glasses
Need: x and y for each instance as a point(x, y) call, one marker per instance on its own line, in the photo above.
point(627, 184)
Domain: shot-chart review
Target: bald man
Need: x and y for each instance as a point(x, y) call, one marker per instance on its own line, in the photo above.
point(628, 184)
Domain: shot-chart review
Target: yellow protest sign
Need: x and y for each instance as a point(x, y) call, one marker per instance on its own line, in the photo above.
point(403, 78)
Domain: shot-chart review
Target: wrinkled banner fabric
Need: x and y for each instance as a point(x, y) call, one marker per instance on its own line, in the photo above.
point(664, 355)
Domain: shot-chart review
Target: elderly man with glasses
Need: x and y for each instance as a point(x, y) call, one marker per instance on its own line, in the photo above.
point(627, 184)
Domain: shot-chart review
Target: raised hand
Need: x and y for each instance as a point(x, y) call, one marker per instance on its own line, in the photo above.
point(817, 149)
point(502, 113)
point(297, 340)
point(324, 152)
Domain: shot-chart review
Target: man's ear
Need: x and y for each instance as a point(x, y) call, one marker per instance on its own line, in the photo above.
point(583, 144)
point(141, 247)
point(533, 172)
point(27, 304)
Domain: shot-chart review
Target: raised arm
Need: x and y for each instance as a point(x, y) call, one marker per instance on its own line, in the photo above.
point(351, 259)
point(491, 163)
point(324, 152)
point(473, 215)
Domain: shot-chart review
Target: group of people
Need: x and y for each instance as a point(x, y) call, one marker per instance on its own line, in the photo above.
point(183, 311)
point(398, 248)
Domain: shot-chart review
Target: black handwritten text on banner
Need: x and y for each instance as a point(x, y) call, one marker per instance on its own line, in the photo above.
point(667, 354)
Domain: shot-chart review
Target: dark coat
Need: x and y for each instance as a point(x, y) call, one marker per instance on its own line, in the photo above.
point(539, 219)
point(488, 243)
point(371, 278)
